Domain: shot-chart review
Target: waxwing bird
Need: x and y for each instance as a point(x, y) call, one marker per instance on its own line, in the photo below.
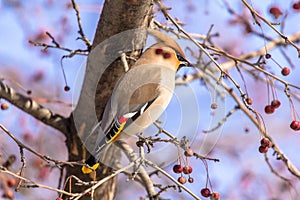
point(141, 95)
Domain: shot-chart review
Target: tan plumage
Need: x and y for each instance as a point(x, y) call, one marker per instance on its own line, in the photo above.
point(143, 93)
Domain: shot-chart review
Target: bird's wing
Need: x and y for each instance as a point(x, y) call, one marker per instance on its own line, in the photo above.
point(133, 93)
point(117, 125)
point(135, 89)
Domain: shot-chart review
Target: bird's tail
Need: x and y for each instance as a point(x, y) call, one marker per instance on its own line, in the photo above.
point(98, 138)
point(92, 163)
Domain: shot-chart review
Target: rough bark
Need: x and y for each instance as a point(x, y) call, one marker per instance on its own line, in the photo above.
point(117, 16)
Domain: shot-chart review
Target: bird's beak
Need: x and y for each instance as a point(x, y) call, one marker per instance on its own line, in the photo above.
point(185, 63)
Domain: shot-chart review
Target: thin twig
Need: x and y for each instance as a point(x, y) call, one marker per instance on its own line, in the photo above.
point(171, 178)
point(254, 13)
point(222, 121)
point(99, 183)
point(83, 37)
point(4, 170)
point(175, 141)
point(280, 155)
point(58, 163)
point(58, 46)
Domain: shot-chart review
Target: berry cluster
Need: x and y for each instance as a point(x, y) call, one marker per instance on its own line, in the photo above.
point(205, 192)
point(269, 109)
point(265, 144)
point(187, 170)
point(284, 70)
point(179, 169)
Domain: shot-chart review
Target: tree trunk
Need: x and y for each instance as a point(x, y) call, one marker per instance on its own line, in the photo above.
point(117, 16)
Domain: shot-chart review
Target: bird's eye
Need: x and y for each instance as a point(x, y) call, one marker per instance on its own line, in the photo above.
point(180, 57)
point(183, 61)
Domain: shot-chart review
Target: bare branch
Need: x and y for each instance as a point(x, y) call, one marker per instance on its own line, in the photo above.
point(221, 122)
point(279, 154)
point(99, 183)
point(83, 37)
point(36, 110)
point(171, 178)
point(58, 46)
point(34, 184)
point(269, 46)
point(131, 155)
point(44, 157)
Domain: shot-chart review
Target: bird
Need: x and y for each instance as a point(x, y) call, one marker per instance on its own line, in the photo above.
point(141, 95)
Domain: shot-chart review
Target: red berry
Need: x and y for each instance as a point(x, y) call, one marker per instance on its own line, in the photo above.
point(265, 142)
point(43, 173)
point(4, 106)
point(215, 196)
point(187, 169)
point(295, 125)
point(66, 88)
point(214, 106)
point(275, 11)
point(191, 180)
point(269, 109)
point(285, 71)
point(268, 56)
point(177, 169)
point(296, 6)
point(275, 103)
point(263, 149)
point(8, 194)
point(158, 51)
point(27, 136)
point(58, 198)
point(182, 180)
point(11, 182)
point(205, 192)
point(249, 101)
point(188, 152)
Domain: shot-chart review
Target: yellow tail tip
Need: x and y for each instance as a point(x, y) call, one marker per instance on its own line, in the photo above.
point(87, 170)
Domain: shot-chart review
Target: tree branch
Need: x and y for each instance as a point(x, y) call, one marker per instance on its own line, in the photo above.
point(33, 108)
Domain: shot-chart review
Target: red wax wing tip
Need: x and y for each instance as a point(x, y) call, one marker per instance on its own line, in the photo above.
point(122, 119)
